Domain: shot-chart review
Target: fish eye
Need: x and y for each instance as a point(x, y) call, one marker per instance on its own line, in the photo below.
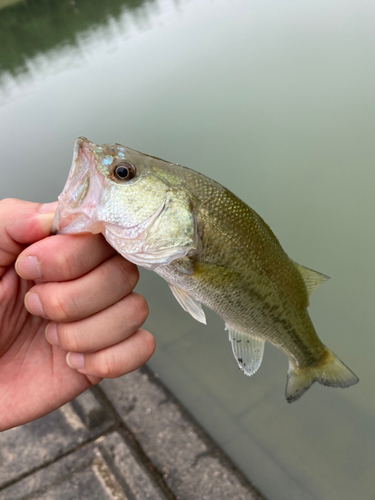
point(124, 171)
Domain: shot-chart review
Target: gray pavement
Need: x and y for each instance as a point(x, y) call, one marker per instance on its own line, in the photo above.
point(127, 439)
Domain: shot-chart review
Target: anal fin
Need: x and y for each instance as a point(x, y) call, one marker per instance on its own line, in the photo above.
point(189, 304)
point(247, 349)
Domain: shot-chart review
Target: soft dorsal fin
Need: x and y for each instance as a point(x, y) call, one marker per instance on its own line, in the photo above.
point(311, 278)
point(247, 349)
point(189, 304)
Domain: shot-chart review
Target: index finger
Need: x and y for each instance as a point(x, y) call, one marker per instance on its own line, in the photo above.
point(63, 257)
point(22, 223)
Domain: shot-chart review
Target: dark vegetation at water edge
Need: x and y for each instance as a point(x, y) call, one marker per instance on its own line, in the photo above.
point(31, 27)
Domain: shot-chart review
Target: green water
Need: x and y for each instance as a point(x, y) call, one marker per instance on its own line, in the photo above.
point(276, 101)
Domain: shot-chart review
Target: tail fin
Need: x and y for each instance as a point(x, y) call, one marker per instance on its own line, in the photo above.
point(329, 371)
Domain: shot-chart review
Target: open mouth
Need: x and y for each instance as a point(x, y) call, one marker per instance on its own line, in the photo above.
point(77, 203)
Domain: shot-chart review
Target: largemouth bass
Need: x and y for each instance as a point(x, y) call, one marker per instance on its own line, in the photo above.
point(210, 247)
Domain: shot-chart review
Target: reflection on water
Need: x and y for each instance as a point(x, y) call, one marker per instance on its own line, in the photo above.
point(274, 100)
point(37, 26)
point(40, 30)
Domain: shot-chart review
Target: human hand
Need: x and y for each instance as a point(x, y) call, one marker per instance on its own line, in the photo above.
point(78, 296)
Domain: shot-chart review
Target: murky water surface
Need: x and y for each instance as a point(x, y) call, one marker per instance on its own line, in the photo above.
point(276, 101)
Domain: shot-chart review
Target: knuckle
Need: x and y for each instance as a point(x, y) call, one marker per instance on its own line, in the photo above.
point(149, 344)
point(56, 307)
point(68, 339)
point(6, 204)
point(132, 274)
point(63, 263)
point(107, 365)
point(128, 272)
point(140, 307)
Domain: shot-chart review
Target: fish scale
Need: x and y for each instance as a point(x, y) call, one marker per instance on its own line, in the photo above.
point(210, 247)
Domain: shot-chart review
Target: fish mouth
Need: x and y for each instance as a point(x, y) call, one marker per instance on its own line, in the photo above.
point(75, 212)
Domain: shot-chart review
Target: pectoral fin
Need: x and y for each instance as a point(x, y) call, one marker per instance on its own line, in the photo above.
point(311, 278)
point(189, 304)
point(247, 349)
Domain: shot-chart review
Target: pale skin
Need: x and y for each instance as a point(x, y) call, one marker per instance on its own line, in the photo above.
point(68, 315)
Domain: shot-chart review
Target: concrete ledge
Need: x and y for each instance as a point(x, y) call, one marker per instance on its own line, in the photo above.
point(192, 466)
point(128, 439)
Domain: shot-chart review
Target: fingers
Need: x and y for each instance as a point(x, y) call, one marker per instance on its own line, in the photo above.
point(117, 360)
point(83, 286)
point(77, 299)
point(109, 327)
point(22, 223)
point(63, 257)
point(96, 318)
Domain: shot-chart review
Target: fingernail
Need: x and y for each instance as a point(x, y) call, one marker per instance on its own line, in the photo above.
point(28, 268)
point(48, 207)
point(33, 304)
point(51, 334)
point(75, 360)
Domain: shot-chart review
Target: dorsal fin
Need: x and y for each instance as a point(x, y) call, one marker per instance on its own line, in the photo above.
point(247, 349)
point(311, 278)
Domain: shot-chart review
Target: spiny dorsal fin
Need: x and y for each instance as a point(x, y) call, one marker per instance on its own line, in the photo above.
point(189, 304)
point(247, 349)
point(311, 278)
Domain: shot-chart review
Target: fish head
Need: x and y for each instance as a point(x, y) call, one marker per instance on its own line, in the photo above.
point(129, 197)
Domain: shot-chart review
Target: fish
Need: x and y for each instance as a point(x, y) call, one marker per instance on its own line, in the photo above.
point(210, 247)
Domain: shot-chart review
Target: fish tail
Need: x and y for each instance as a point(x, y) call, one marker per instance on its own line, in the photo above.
point(328, 371)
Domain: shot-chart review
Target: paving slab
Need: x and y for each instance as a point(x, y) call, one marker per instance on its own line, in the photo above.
point(31, 446)
point(190, 463)
point(104, 469)
point(126, 439)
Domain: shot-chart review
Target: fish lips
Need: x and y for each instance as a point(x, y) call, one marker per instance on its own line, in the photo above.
point(76, 210)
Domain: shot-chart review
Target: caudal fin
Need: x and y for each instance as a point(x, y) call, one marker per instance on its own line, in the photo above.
point(330, 371)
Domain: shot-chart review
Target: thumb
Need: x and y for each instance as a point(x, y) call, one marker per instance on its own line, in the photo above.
point(22, 223)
